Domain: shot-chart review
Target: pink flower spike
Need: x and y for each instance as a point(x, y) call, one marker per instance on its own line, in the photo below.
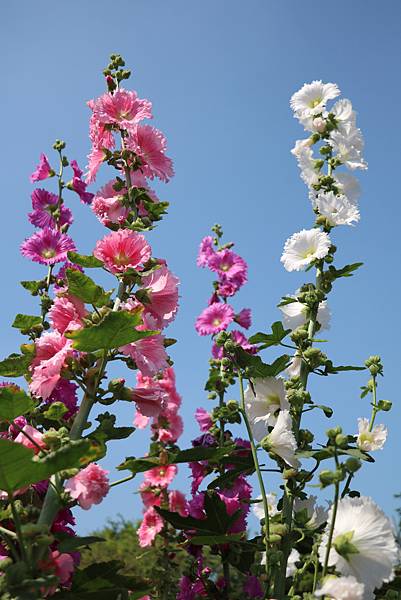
point(151, 525)
point(204, 419)
point(150, 145)
point(47, 246)
point(161, 476)
point(122, 250)
point(42, 171)
point(206, 251)
point(214, 318)
point(89, 486)
point(227, 264)
point(244, 318)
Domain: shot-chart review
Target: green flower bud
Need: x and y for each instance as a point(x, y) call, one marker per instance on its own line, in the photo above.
point(274, 539)
point(341, 440)
point(212, 396)
point(280, 529)
point(232, 405)
point(385, 405)
point(352, 464)
point(333, 432)
point(221, 338)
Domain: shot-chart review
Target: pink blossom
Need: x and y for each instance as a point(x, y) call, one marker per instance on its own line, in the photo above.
point(44, 204)
point(214, 318)
point(108, 205)
point(191, 590)
point(95, 159)
point(18, 424)
point(78, 185)
point(151, 525)
point(148, 353)
point(52, 350)
point(64, 566)
point(178, 503)
point(89, 486)
point(206, 251)
point(150, 145)
point(198, 474)
point(161, 476)
point(196, 506)
point(149, 400)
point(66, 315)
point(169, 427)
point(30, 438)
point(227, 264)
point(122, 250)
point(229, 287)
point(162, 289)
point(123, 108)
point(140, 421)
point(42, 171)
point(47, 246)
point(204, 419)
point(151, 496)
point(244, 318)
point(240, 339)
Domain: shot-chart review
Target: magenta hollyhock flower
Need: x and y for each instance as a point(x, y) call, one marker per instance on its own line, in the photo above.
point(122, 250)
point(161, 476)
point(65, 392)
point(206, 251)
point(64, 566)
point(214, 318)
point(151, 525)
point(52, 350)
point(168, 427)
point(108, 205)
point(244, 318)
point(123, 108)
point(16, 426)
point(196, 506)
point(162, 289)
point(150, 145)
point(198, 474)
point(229, 287)
point(47, 246)
point(177, 503)
point(253, 588)
point(30, 438)
point(42, 171)
point(227, 264)
point(66, 315)
point(204, 419)
point(89, 486)
point(44, 203)
point(78, 185)
point(149, 400)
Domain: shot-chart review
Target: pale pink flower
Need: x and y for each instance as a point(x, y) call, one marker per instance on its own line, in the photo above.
point(162, 289)
point(47, 246)
point(151, 496)
point(150, 145)
point(89, 486)
point(151, 525)
point(30, 438)
point(149, 400)
point(64, 566)
point(214, 318)
point(122, 250)
point(44, 204)
point(52, 350)
point(95, 159)
point(204, 419)
point(206, 251)
point(227, 264)
point(123, 108)
point(42, 171)
point(168, 427)
point(148, 353)
point(161, 476)
point(108, 205)
point(65, 314)
point(140, 421)
point(244, 318)
point(78, 185)
point(178, 503)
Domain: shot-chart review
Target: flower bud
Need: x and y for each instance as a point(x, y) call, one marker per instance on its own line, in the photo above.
point(333, 432)
point(341, 440)
point(319, 124)
point(385, 405)
point(352, 464)
point(221, 338)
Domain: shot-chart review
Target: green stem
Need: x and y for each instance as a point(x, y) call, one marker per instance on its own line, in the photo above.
point(123, 480)
point(332, 525)
point(374, 409)
point(18, 529)
point(259, 476)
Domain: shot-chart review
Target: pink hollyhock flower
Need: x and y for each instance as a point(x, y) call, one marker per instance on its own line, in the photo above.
point(253, 588)
point(16, 426)
point(108, 205)
point(3, 552)
point(178, 503)
point(44, 203)
point(65, 392)
point(227, 264)
point(162, 289)
point(66, 315)
point(238, 338)
point(198, 474)
point(151, 525)
point(149, 400)
point(64, 566)
point(167, 383)
point(123, 108)
point(150, 145)
point(168, 427)
point(244, 318)
point(42, 171)
point(214, 318)
point(204, 419)
point(52, 350)
point(95, 159)
point(206, 251)
point(140, 421)
point(30, 438)
point(150, 496)
point(229, 287)
point(78, 185)
point(47, 246)
point(161, 476)
point(89, 486)
point(148, 353)
point(122, 250)
point(189, 590)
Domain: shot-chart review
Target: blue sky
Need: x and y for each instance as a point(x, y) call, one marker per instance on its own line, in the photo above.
point(220, 75)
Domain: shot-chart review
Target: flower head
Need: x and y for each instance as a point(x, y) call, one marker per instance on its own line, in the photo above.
point(295, 314)
point(47, 246)
point(161, 476)
point(30, 438)
point(312, 98)
point(281, 439)
point(338, 210)
point(42, 171)
point(44, 205)
point(258, 509)
point(89, 486)
point(304, 247)
point(122, 108)
point(244, 318)
point(66, 314)
point(262, 402)
point(203, 419)
point(369, 440)
point(214, 318)
point(108, 205)
point(341, 588)
point(227, 264)
point(122, 250)
point(78, 185)
point(206, 251)
point(162, 290)
point(150, 145)
point(52, 350)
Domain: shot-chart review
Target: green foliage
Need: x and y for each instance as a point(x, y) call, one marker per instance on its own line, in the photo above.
point(86, 289)
point(26, 322)
point(14, 402)
point(15, 365)
point(89, 262)
point(271, 339)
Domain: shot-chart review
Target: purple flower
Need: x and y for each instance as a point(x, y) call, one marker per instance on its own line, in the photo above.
point(44, 203)
point(42, 171)
point(206, 251)
point(78, 185)
point(47, 246)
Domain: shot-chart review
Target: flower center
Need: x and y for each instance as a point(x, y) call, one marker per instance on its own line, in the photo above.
point(216, 322)
point(48, 253)
point(224, 267)
point(308, 252)
point(121, 258)
point(315, 102)
point(342, 543)
point(272, 400)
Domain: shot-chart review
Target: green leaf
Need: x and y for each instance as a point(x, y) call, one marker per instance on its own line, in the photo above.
point(185, 523)
point(139, 465)
point(15, 365)
point(86, 289)
point(26, 322)
point(331, 369)
point(107, 431)
point(33, 286)
point(200, 453)
point(346, 271)
point(14, 402)
point(90, 262)
point(256, 368)
point(217, 515)
point(70, 543)
point(214, 540)
point(271, 339)
point(115, 330)
point(357, 453)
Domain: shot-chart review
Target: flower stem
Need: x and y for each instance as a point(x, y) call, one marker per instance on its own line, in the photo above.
point(332, 525)
point(123, 480)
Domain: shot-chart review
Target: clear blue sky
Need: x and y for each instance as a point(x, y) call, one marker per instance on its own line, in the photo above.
point(220, 75)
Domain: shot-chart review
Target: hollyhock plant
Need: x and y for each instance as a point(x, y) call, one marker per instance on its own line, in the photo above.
point(47, 246)
point(122, 250)
point(89, 487)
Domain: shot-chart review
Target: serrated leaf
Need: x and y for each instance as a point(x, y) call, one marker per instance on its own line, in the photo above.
point(270, 339)
point(26, 322)
point(14, 402)
point(357, 453)
point(86, 289)
point(138, 465)
point(107, 431)
point(115, 330)
point(346, 271)
point(84, 260)
point(15, 365)
point(32, 286)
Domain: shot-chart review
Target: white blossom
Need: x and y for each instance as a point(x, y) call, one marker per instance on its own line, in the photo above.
point(292, 559)
point(294, 368)
point(316, 514)
point(348, 144)
point(295, 314)
point(370, 440)
point(312, 98)
point(338, 210)
point(341, 588)
point(343, 113)
point(304, 155)
point(258, 510)
point(363, 543)
point(304, 247)
point(281, 439)
point(348, 185)
point(262, 404)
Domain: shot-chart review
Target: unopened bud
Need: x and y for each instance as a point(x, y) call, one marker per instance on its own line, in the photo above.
point(319, 124)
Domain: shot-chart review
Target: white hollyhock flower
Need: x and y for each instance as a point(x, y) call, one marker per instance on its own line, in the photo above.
point(304, 247)
point(281, 439)
point(338, 210)
point(370, 440)
point(292, 559)
point(342, 588)
point(316, 514)
point(304, 155)
point(363, 543)
point(348, 144)
point(258, 509)
point(295, 314)
point(343, 113)
point(312, 98)
point(348, 185)
point(294, 369)
point(262, 406)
